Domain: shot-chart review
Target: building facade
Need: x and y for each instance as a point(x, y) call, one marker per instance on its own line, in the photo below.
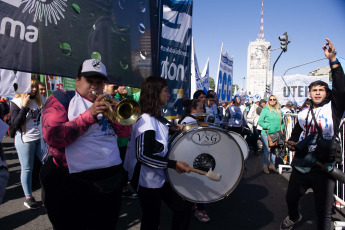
point(258, 67)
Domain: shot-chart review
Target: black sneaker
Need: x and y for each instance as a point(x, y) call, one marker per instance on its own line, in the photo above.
point(31, 203)
point(129, 194)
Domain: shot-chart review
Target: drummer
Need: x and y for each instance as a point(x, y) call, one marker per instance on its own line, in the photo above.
point(147, 161)
point(192, 107)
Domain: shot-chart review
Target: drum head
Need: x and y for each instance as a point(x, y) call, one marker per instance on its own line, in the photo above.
point(242, 142)
point(204, 148)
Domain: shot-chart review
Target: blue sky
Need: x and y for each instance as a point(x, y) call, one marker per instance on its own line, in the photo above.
point(237, 22)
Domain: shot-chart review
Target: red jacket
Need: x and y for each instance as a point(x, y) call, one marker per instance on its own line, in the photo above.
point(59, 132)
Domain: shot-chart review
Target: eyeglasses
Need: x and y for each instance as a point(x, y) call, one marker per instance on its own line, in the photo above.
point(272, 99)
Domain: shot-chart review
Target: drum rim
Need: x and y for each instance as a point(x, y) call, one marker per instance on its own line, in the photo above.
point(225, 195)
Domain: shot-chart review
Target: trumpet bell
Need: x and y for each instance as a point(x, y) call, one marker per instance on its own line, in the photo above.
point(127, 112)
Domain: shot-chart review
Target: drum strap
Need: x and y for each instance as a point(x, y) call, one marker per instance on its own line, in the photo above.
point(164, 121)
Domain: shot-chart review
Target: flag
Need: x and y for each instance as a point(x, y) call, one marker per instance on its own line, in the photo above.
point(224, 80)
point(195, 81)
point(205, 77)
point(8, 79)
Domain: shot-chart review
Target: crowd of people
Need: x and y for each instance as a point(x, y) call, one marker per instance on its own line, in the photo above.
point(91, 158)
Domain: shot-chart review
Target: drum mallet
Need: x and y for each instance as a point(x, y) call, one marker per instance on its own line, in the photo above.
point(210, 174)
point(335, 172)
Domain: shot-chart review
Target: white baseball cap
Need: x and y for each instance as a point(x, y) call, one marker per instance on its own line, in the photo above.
point(93, 68)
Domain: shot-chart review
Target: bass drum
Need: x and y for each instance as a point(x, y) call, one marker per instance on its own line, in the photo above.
point(204, 148)
point(242, 142)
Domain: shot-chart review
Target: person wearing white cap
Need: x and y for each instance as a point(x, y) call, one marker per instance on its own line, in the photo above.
point(81, 179)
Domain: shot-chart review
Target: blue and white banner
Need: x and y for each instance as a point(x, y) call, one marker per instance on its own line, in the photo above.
point(294, 88)
point(8, 80)
point(174, 53)
point(195, 80)
point(224, 80)
point(205, 82)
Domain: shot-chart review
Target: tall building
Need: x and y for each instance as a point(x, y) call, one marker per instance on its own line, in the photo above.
point(258, 63)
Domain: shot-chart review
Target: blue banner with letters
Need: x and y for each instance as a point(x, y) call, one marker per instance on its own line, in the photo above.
point(175, 53)
point(225, 77)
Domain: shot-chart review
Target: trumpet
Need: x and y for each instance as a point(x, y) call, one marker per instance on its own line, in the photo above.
point(126, 112)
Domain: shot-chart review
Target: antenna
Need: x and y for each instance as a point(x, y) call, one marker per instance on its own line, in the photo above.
point(261, 36)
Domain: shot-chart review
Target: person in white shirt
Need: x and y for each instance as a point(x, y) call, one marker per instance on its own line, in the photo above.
point(210, 101)
point(217, 109)
point(147, 160)
point(191, 107)
point(25, 110)
point(288, 107)
point(252, 119)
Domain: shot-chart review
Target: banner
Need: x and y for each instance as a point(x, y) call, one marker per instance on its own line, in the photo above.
point(14, 83)
point(224, 80)
point(294, 88)
point(175, 50)
point(205, 82)
point(54, 37)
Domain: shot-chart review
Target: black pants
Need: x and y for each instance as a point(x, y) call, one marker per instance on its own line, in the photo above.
point(254, 139)
point(150, 200)
point(323, 188)
point(236, 130)
point(123, 150)
point(73, 204)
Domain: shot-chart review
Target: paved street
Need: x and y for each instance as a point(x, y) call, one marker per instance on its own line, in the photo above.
point(257, 203)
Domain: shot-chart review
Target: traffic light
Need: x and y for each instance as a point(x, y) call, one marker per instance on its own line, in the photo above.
point(284, 41)
point(268, 88)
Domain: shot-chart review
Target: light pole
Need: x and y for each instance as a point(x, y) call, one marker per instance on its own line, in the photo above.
point(284, 41)
point(244, 78)
point(299, 66)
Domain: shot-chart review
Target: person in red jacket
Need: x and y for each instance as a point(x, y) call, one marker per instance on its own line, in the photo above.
point(82, 179)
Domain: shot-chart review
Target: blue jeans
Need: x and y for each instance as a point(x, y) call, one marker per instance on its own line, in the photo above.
point(267, 150)
point(26, 154)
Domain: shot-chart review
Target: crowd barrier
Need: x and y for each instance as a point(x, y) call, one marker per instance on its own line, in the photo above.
point(339, 194)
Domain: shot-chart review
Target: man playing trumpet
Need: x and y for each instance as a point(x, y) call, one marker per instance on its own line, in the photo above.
point(82, 178)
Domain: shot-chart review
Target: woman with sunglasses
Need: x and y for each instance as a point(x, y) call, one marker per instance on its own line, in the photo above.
point(271, 121)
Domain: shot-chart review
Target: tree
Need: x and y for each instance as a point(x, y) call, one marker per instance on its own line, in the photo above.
point(212, 84)
point(233, 88)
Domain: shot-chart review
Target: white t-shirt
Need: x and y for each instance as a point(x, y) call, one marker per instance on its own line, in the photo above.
point(150, 177)
point(33, 118)
point(97, 147)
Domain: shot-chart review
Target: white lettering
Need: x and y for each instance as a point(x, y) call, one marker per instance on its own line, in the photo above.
point(30, 36)
point(172, 71)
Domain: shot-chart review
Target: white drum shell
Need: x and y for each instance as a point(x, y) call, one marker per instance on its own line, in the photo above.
point(242, 142)
point(229, 163)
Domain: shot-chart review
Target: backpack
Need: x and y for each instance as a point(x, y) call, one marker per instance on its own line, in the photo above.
point(64, 99)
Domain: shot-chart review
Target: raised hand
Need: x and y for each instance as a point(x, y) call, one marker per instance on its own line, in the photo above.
point(98, 106)
point(329, 50)
point(26, 101)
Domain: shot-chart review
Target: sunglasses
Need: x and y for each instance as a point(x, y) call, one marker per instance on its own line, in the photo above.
point(272, 99)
